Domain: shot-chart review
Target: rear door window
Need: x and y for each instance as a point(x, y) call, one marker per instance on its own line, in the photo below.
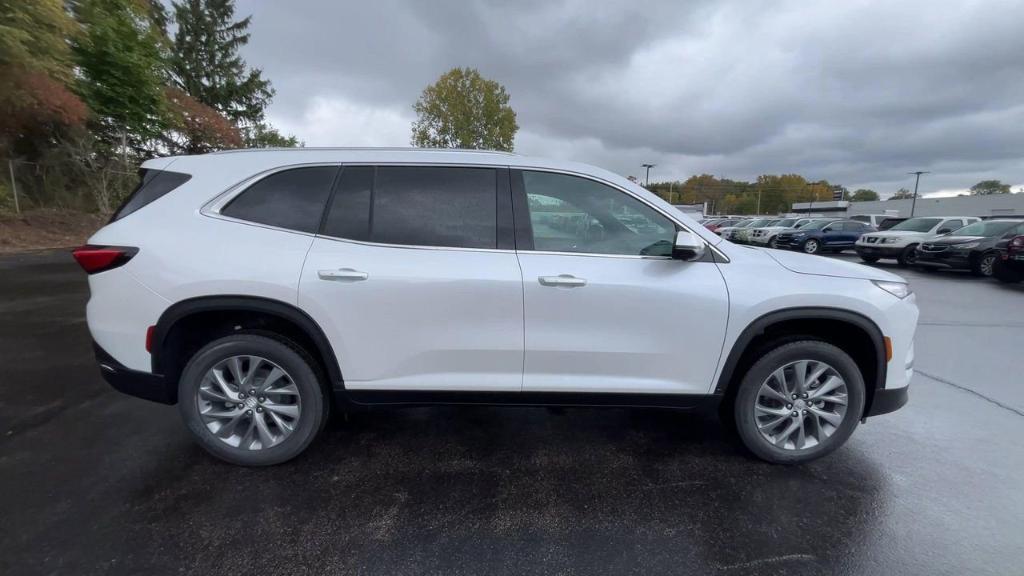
point(444, 206)
point(293, 199)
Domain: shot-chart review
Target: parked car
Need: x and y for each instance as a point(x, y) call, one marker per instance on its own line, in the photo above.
point(873, 220)
point(262, 290)
point(727, 231)
point(1009, 267)
point(901, 241)
point(972, 247)
point(742, 236)
point(765, 235)
point(823, 236)
point(721, 224)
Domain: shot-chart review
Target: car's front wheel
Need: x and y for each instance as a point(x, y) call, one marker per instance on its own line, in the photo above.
point(252, 400)
point(773, 243)
point(869, 259)
point(812, 246)
point(908, 257)
point(800, 401)
point(985, 266)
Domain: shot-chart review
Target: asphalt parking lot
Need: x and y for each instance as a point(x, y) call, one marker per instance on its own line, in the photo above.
point(95, 482)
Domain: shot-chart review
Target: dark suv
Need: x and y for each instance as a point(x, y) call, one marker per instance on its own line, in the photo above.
point(1009, 265)
point(973, 247)
point(823, 236)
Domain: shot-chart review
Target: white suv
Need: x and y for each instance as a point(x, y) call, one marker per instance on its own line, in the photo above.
point(261, 290)
point(901, 241)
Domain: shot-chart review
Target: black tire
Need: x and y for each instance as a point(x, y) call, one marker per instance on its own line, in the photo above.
point(984, 266)
point(292, 360)
point(749, 387)
point(908, 257)
point(869, 259)
point(811, 246)
point(773, 243)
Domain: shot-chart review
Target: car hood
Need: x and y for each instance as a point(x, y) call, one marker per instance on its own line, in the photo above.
point(958, 239)
point(895, 234)
point(822, 266)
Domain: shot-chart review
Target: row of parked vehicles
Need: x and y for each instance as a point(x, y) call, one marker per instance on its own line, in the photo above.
point(993, 247)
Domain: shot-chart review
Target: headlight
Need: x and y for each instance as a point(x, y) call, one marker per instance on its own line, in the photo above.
point(898, 289)
point(888, 240)
point(799, 234)
point(967, 246)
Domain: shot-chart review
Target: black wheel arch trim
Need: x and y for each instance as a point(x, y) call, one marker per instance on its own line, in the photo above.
point(289, 312)
point(762, 323)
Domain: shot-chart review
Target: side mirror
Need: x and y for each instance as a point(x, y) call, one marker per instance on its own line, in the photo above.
point(688, 246)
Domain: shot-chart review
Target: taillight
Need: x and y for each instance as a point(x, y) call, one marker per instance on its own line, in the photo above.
point(94, 259)
point(1016, 245)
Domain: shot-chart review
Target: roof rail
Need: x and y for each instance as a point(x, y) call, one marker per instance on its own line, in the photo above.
point(366, 148)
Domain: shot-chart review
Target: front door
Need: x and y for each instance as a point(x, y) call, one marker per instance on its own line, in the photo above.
point(410, 282)
point(607, 309)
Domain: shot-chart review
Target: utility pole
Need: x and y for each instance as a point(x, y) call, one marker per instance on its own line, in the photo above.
point(758, 212)
point(647, 179)
point(917, 180)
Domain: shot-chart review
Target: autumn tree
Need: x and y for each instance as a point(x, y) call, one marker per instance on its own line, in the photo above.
point(987, 187)
point(902, 194)
point(863, 195)
point(464, 110)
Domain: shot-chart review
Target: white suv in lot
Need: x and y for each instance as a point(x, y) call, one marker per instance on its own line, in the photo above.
point(261, 290)
point(900, 242)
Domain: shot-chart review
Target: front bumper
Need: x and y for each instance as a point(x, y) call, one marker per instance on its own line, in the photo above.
point(144, 385)
point(887, 400)
point(878, 250)
point(945, 259)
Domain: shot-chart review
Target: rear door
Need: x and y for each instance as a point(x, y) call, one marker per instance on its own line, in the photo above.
point(607, 309)
point(415, 280)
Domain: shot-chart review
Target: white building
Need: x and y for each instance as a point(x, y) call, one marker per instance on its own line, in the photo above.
point(984, 206)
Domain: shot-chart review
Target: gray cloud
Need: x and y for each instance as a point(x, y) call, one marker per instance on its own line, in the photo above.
point(858, 93)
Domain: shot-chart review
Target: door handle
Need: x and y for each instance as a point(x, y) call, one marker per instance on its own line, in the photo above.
point(343, 275)
point(563, 280)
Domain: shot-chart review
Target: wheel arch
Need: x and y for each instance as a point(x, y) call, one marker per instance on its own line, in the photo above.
point(862, 339)
point(171, 344)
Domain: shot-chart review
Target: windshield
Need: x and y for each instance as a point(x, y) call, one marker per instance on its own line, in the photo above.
point(996, 228)
point(788, 222)
point(917, 224)
point(807, 223)
point(759, 222)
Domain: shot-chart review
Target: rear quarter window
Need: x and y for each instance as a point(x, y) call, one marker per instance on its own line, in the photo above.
point(293, 199)
point(152, 185)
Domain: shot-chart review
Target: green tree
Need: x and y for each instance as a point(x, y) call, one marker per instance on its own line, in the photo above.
point(986, 187)
point(863, 195)
point(464, 110)
point(205, 64)
point(902, 194)
point(122, 72)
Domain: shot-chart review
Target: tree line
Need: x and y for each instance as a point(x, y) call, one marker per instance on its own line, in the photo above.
point(91, 88)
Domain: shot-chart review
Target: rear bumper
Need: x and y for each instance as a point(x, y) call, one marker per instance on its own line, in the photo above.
point(887, 400)
point(144, 385)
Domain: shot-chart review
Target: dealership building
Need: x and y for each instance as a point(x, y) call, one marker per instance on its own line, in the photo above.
point(987, 206)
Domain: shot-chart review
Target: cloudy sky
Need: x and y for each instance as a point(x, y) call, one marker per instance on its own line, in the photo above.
point(857, 92)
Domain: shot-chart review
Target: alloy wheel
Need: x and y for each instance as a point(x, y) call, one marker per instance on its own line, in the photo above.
point(248, 402)
point(987, 264)
point(811, 246)
point(800, 405)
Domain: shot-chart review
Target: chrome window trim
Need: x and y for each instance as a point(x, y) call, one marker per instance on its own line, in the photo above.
point(213, 208)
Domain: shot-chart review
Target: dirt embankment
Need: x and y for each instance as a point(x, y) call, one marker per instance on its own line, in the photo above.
point(46, 228)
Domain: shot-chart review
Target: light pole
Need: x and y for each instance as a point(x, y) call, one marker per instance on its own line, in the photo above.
point(647, 178)
point(917, 180)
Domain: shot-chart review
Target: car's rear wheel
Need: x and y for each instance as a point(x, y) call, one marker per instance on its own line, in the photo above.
point(812, 246)
point(869, 259)
point(252, 400)
point(985, 265)
point(800, 401)
point(908, 257)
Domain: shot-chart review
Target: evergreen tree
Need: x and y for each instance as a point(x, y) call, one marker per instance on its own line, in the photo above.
point(206, 65)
